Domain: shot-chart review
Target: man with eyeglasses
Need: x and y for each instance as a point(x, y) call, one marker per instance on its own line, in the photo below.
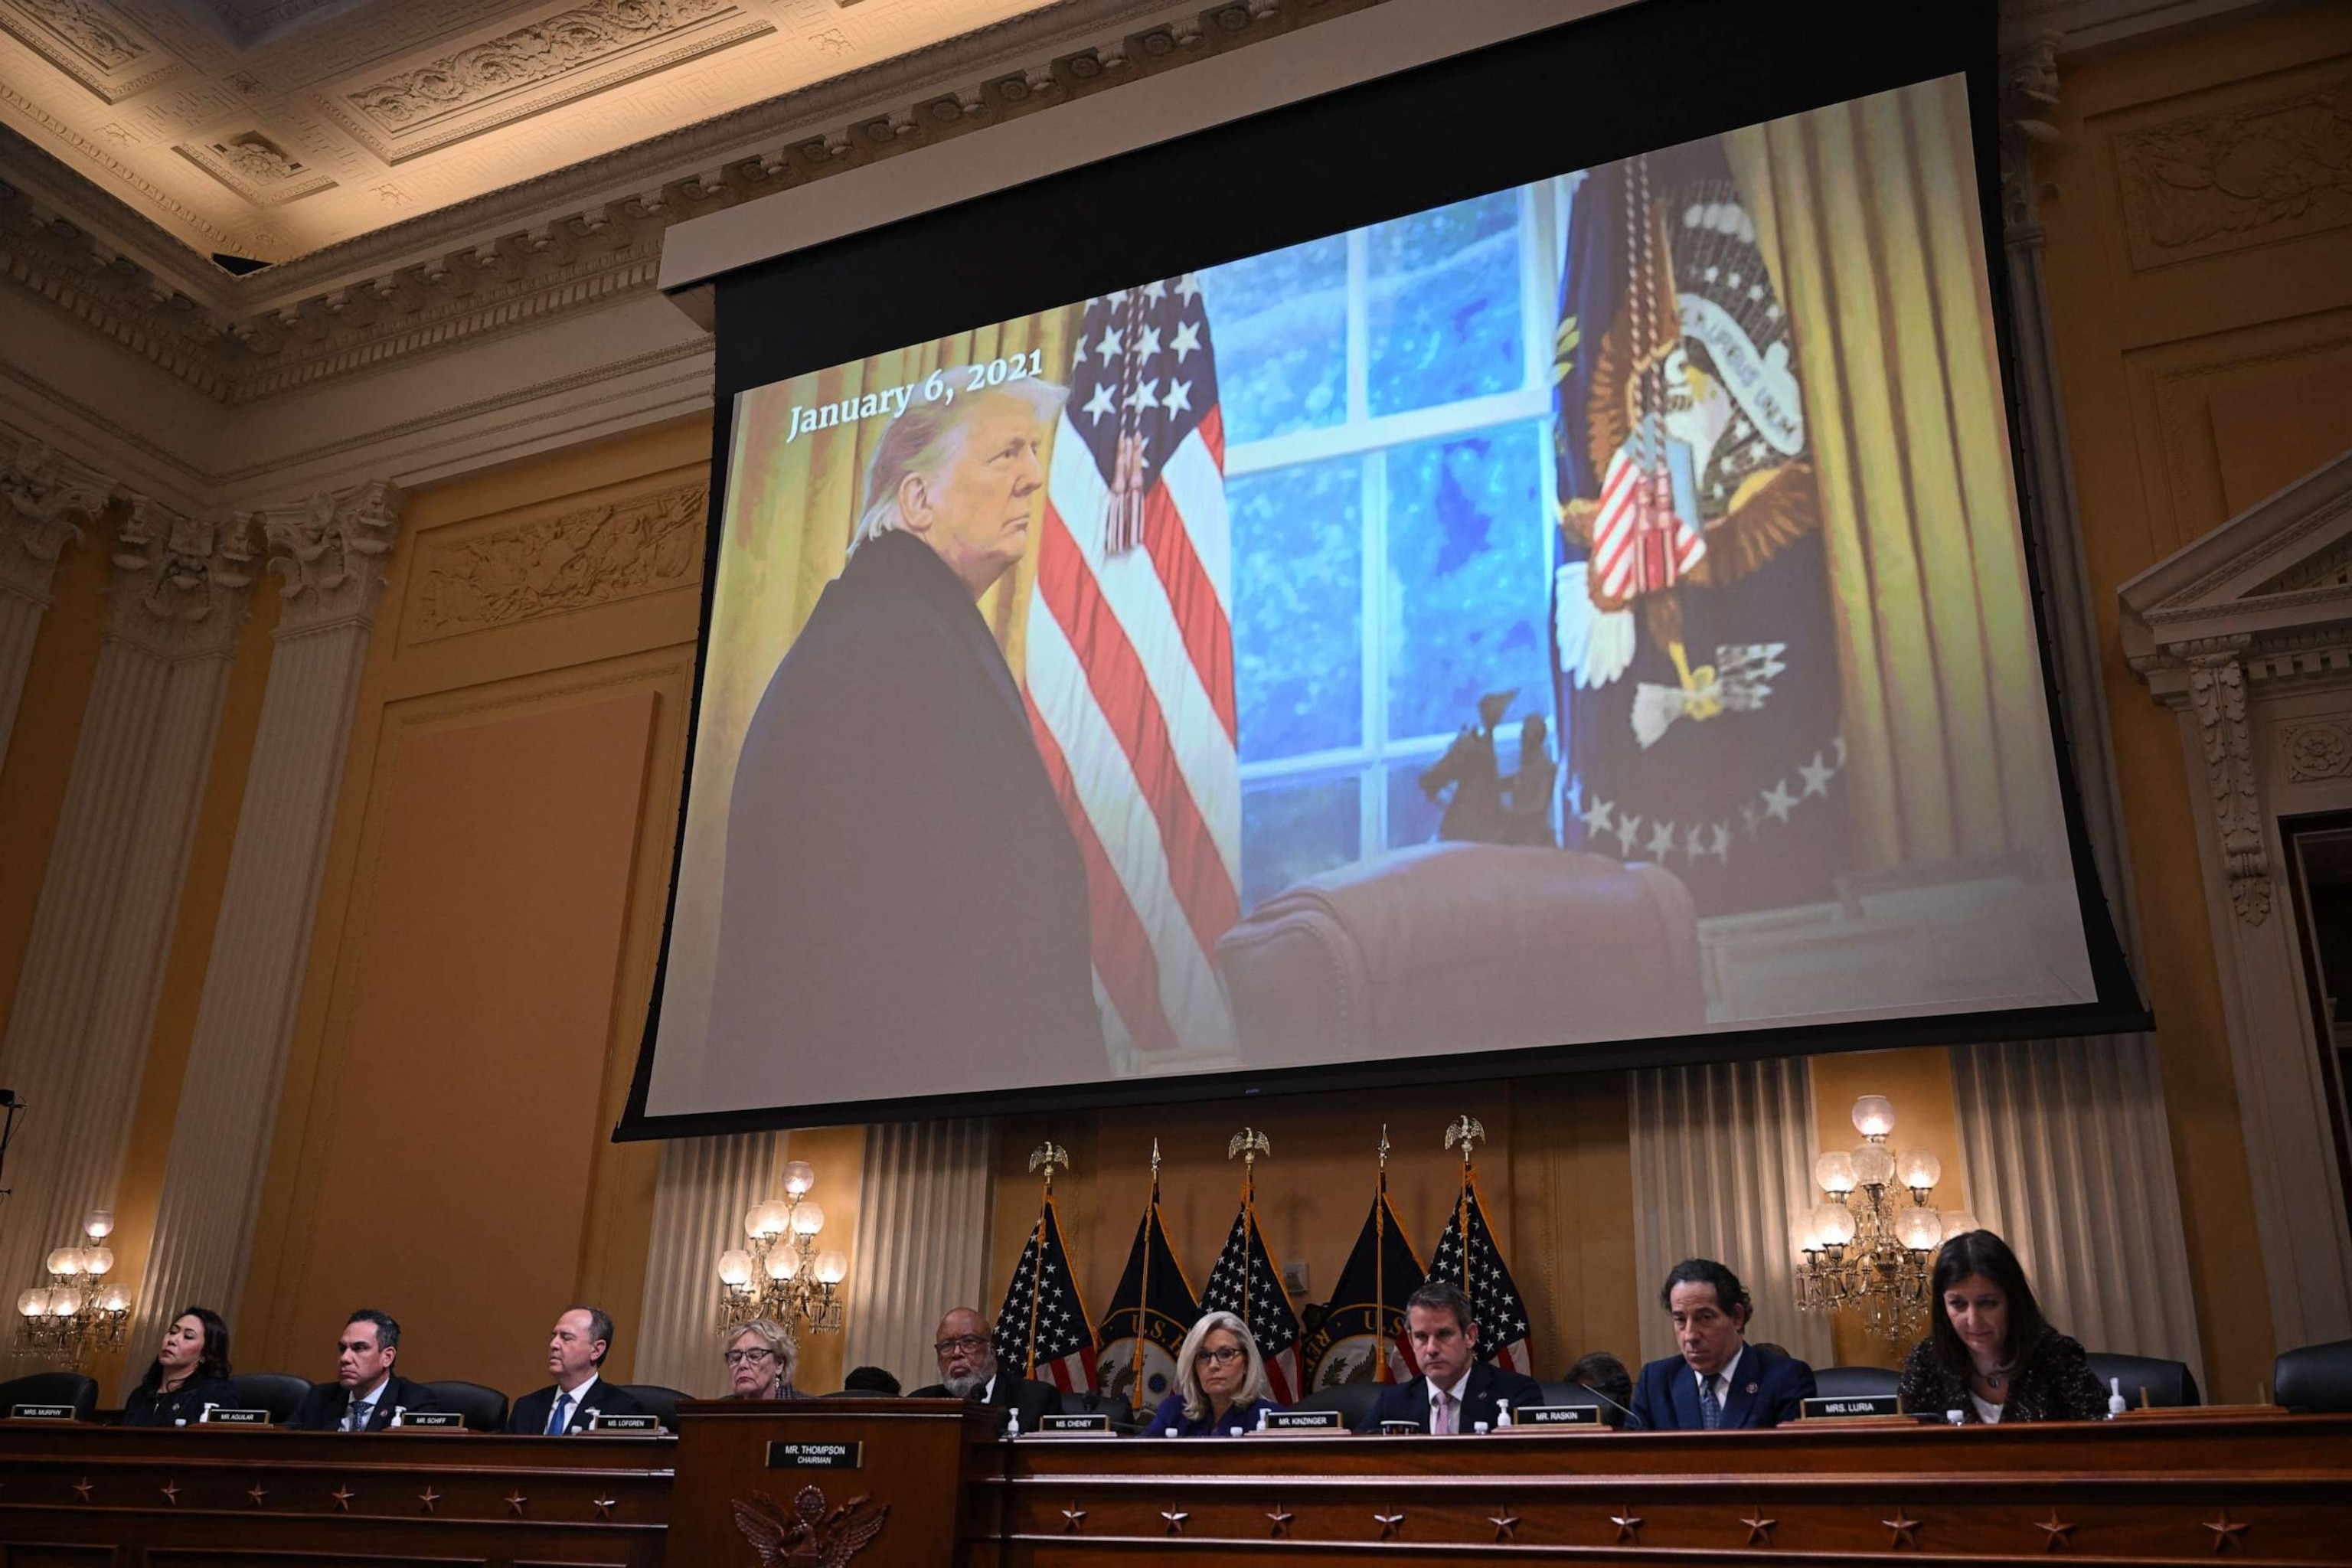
point(968, 1370)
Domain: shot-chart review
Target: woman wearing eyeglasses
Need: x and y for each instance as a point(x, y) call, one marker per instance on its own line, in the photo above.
point(760, 1360)
point(1221, 1386)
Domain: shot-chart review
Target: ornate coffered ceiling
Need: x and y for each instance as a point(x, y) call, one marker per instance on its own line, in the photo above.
point(275, 129)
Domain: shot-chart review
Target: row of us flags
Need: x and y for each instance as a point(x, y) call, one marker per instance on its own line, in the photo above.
point(1044, 1331)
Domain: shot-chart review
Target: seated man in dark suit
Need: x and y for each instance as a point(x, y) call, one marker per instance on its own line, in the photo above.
point(968, 1370)
point(366, 1392)
point(575, 1354)
point(1455, 1390)
point(1720, 1380)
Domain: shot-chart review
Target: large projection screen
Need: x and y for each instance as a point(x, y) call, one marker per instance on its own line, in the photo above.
point(1161, 641)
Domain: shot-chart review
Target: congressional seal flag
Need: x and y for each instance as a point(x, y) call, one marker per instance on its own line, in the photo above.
point(1130, 666)
point(1362, 1336)
point(1042, 1330)
point(1149, 1314)
point(1468, 1258)
point(1246, 1283)
point(1696, 648)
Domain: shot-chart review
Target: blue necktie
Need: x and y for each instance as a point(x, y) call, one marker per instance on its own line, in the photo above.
point(1709, 1411)
point(555, 1415)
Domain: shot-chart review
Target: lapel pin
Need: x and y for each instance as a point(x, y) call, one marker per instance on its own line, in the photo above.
point(1751, 1388)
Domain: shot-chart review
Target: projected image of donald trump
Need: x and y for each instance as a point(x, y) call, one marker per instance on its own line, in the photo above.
point(900, 881)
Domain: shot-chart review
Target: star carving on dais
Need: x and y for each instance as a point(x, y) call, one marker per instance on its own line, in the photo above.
point(1280, 1519)
point(257, 1492)
point(515, 1501)
point(82, 1488)
point(1905, 1531)
point(605, 1505)
point(1505, 1523)
point(2056, 1535)
point(427, 1497)
point(171, 1490)
point(1759, 1528)
point(1392, 1524)
point(342, 1495)
point(2226, 1532)
point(1074, 1518)
point(1629, 1525)
point(1175, 1518)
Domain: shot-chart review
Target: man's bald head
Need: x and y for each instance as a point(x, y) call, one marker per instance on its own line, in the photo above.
point(967, 1359)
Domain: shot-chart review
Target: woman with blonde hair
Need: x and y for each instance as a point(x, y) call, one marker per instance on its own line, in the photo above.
point(1221, 1384)
point(760, 1360)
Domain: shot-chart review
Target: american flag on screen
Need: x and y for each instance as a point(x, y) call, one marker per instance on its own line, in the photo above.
point(1246, 1283)
point(1130, 663)
point(1466, 1256)
point(1043, 1330)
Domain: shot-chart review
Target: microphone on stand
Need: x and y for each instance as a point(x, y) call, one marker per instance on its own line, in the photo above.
point(1634, 1422)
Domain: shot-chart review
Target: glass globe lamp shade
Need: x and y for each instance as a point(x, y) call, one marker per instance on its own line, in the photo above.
point(99, 1223)
point(1919, 1229)
point(1873, 1116)
point(1834, 1172)
point(62, 1304)
point(783, 1263)
point(1958, 1222)
point(799, 1176)
point(767, 1221)
point(1832, 1225)
point(115, 1298)
point(831, 1267)
point(32, 1303)
point(65, 1262)
point(97, 1260)
point(808, 1219)
point(735, 1268)
point(1919, 1169)
point(1873, 1166)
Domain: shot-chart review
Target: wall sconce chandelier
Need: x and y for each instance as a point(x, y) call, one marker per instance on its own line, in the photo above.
point(78, 1313)
point(1866, 1248)
point(781, 1275)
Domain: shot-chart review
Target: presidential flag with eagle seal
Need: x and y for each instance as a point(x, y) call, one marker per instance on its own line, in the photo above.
point(1695, 646)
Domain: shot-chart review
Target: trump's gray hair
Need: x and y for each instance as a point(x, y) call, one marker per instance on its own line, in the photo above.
point(925, 438)
point(1255, 1385)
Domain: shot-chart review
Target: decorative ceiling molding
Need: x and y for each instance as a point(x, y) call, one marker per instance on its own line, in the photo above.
point(240, 340)
point(97, 48)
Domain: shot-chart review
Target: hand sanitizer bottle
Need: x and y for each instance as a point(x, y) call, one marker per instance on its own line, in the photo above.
point(1502, 1415)
point(2116, 1405)
point(397, 1412)
point(1261, 1418)
point(1013, 1424)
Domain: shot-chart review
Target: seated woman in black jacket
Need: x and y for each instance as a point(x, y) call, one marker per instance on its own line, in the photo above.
point(190, 1371)
point(1989, 1353)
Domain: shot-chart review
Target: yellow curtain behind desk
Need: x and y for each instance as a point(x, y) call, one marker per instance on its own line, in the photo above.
point(1867, 213)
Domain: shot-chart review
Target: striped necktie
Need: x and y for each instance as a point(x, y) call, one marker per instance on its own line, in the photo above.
point(1709, 1412)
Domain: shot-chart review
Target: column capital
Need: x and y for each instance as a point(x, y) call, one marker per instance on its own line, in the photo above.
point(182, 585)
point(43, 499)
point(329, 552)
point(2029, 103)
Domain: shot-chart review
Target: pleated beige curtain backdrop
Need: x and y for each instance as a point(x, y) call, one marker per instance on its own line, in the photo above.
point(922, 1242)
point(2070, 1161)
point(1867, 215)
point(1723, 1161)
point(705, 1188)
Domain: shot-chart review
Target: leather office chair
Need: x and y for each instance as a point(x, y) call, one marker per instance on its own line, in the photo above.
point(662, 1402)
point(2315, 1378)
point(2168, 1383)
point(485, 1409)
point(52, 1388)
point(1353, 1401)
point(1124, 1417)
point(279, 1393)
point(1855, 1382)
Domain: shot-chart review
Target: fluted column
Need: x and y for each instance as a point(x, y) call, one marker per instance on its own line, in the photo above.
point(330, 554)
point(1723, 1160)
point(85, 1001)
point(2068, 1154)
point(43, 500)
point(922, 1240)
point(705, 1188)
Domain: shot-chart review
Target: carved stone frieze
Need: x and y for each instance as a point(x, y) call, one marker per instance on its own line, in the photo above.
point(181, 584)
point(2217, 695)
point(584, 48)
point(44, 501)
point(329, 553)
point(2256, 173)
point(2029, 102)
point(2311, 750)
point(89, 43)
point(592, 556)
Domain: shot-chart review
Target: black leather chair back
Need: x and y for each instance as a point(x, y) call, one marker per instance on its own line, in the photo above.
point(662, 1403)
point(52, 1388)
point(485, 1409)
point(279, 1393)
point(1855, 1382)
point(2168, 1383)
point(1124, 1417)
point(2315, 1378)
point(1353, 1401)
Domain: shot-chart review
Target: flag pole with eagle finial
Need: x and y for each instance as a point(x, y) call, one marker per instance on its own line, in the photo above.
point(1465, 1130)
point(1249, 1143)
point(1047, 1154)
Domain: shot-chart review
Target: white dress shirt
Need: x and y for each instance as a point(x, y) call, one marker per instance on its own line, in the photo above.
point(1721, 1380)
point(571, 1402)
